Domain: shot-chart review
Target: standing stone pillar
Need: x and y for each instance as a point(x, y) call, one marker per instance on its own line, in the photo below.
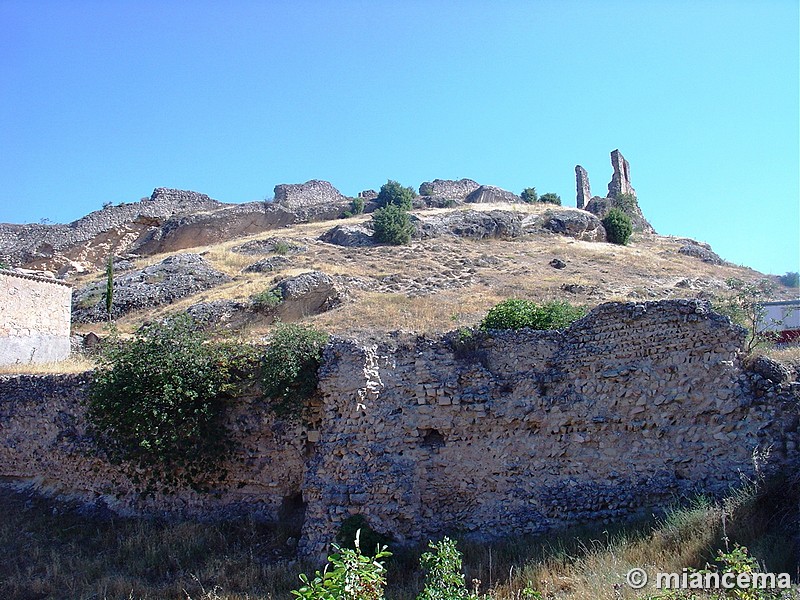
point(582, 183)
point(621, 179)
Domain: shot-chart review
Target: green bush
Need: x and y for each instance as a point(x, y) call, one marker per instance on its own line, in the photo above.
point(356, 208)
point(393, 193)
point(529, 195)
point(351, 575)
point(627, 203)
point(618, 226)
point(516, 314)
point(443, 577)
point(791, 279)
point(281, 247)
point(550, 198)
point(289, 369)
point(267, 300)
point(392, 225)
point(157, 403)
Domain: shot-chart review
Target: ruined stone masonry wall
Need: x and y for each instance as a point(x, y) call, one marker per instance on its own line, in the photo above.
point(631, 407)
point(34, 319)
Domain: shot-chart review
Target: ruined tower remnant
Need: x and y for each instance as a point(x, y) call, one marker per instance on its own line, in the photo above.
point(621, 179)
point(582, 181)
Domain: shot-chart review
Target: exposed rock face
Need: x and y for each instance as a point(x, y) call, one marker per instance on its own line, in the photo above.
point(220, 313)
point(268, 246)
point(448, 188)
point(488, 193)
point(621, 179)
point(475, 225)
point(173, 278)
point(267, 265)
point(307, 294)
point(349, 235)
point(89, 240)
point(601, 206)
point(578, 224)
point(582, 182)
point(701, 251)
point(368, 194)
point(314, 193)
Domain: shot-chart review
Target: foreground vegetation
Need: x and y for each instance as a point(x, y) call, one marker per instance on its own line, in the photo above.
point(54, 550)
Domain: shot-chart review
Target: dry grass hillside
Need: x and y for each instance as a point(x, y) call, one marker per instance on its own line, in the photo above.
point(447, 282)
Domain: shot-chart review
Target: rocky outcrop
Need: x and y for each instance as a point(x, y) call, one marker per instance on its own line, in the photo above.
point(173, 278)
point(268, 265)
point(584, 192)
point(578, 224)
point(601, 206)
point(701, 251)
point(225, 314)
point(349, 235)
point(89, 241)
point(307, 294)
point(621, 179)
point(270, 245)
point(475, 225)
point(486, 194)
point(448, 189)
point(308, 195)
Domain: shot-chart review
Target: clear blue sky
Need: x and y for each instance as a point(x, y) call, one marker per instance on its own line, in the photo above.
point(104, 100)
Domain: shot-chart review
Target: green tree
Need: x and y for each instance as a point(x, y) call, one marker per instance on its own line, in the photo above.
point(550, 198)
point(791, 279)
point(290, 363)
point(529, 195)
point(157, 402)
point(618, 227)
point(744, 306)
point(516, 313)
point(392, 225)
point(393, 193)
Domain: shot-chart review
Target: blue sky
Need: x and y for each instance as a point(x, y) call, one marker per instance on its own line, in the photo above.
point(101, 101)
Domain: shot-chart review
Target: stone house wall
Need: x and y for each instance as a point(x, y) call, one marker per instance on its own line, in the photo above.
point(34, 319)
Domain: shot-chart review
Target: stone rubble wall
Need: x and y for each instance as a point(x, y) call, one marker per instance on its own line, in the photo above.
point(630, 408)
point(44, 442)
point(448, 188)
point(34, 319)
point(505, 433)
point(314, 193)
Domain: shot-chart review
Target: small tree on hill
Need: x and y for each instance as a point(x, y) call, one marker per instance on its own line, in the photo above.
point(529, 195)
point(618, 226)
point(392, 225)
point(550, 198)
point(394, 193)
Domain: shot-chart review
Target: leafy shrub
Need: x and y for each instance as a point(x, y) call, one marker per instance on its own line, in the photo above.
point(289, 369)
point(392, 225)
point(267, 300)
point(529, 195)
point(157, 402)
point(791, 279)
point(550, 198)
point(356, 208)
point(516, 314)
point(371, 540)
point(351, 575)
point(618, 226)
point(443, 577)
point(281, 247)
point(393, 193)
point(743, 305)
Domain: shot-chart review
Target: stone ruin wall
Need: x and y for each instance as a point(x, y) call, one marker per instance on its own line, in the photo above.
point(628, 409)
point(34, 319)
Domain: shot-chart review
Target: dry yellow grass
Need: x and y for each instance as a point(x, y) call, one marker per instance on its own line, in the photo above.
point(648, 269)
point(74, 364)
